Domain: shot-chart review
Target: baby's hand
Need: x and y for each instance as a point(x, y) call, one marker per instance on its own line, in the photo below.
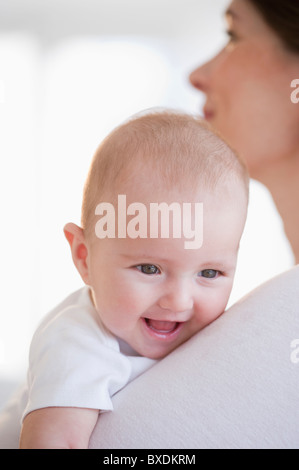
point(58, 428)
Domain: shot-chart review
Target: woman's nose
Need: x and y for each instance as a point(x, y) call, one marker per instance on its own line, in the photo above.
point(201, 77)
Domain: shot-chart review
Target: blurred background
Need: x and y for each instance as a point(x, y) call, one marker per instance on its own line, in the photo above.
point(70, 71)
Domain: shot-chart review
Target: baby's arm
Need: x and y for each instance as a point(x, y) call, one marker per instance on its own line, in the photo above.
point(58, 428)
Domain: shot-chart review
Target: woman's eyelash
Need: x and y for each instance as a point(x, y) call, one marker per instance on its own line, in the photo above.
point(232, 36)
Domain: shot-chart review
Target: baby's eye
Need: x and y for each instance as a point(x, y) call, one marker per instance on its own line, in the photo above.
point(149, 269)
point(209, 273)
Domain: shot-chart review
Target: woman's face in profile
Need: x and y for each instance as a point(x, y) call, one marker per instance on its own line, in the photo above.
point(248, 89)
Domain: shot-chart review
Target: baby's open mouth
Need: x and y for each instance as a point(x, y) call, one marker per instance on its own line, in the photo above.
point(161, 326)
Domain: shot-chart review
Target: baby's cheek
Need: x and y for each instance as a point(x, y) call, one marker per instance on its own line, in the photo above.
point(132, 304)
point(136, 295)
point(211, 308)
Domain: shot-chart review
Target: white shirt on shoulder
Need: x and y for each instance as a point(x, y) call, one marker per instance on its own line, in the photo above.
point(75, 362)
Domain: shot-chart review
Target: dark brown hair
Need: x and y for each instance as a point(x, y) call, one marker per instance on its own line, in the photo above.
point(283, 17)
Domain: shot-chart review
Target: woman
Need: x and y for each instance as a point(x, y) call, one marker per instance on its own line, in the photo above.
point(248, 98)
point(234, 385)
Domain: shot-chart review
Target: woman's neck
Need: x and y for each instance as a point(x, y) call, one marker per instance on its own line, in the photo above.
point(282, 180)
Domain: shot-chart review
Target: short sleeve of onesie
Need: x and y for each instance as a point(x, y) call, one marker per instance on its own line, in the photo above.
point(75, 362)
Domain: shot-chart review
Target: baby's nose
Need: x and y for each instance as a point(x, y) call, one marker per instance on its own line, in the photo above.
point(177, 299)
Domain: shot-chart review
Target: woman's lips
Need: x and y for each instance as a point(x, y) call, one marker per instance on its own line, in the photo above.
point(208, 114)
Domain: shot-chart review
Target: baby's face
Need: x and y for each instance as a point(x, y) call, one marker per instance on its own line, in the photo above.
point(153, 292)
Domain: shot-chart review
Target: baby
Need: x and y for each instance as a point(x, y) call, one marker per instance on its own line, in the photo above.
point(164, 208)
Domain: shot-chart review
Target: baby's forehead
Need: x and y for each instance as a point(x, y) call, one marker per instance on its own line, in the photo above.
point(142, 192)
point(174, 161)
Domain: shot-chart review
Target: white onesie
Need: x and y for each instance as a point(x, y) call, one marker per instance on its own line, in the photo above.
point(75, 362)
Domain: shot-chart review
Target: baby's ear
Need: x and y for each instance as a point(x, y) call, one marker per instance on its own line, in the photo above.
point(75, 236)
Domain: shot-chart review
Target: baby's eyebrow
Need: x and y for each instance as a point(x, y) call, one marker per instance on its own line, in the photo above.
point(143, 256)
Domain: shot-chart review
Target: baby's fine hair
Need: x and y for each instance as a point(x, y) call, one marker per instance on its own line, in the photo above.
point(179, 149)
